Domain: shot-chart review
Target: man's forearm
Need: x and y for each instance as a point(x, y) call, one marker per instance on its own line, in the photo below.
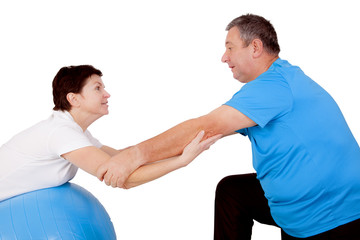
point(171, 142)
point(223, 120)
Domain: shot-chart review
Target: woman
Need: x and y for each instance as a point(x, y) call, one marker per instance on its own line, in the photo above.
point(49, 153)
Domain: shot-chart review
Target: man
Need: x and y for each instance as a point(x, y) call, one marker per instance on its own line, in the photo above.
point(306, 158)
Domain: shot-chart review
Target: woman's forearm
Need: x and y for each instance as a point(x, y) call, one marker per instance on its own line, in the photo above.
point(152, 171)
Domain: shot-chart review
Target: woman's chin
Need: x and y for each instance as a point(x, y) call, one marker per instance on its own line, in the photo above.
point(105, 110)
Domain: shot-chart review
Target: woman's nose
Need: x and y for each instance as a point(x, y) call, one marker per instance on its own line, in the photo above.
point(106, 94)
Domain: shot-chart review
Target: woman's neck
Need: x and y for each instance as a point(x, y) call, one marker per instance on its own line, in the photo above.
point(84, 120)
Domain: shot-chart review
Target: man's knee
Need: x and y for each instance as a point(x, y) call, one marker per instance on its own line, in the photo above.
point(224, 185)
point(234, 183)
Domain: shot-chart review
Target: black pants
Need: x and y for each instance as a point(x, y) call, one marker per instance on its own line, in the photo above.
point(240, 200)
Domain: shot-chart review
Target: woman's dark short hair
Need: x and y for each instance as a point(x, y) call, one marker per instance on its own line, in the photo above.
point(253, 27)
point(70, 80)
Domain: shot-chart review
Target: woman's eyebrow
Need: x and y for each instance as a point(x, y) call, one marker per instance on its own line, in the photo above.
point(101, 84)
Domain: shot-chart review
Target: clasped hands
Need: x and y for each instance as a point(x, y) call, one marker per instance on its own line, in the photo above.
point(116, 171)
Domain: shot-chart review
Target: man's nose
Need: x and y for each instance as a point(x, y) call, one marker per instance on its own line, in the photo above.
point(225, 58)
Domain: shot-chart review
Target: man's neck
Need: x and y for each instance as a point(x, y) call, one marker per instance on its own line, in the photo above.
point(264, 65)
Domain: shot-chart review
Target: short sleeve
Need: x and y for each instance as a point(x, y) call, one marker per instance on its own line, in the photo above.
point(65, 139)
point(93, 140)
point(263, 99)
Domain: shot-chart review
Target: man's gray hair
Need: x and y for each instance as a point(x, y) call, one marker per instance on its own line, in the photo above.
point(256, 27)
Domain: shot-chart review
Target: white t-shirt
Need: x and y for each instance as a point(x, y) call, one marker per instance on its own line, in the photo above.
point(31, 159)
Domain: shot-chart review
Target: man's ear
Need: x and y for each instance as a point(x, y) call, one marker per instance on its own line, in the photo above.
point(258, 48)
point(72, 99)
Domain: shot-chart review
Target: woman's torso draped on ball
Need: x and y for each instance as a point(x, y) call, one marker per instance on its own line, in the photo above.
point(32, 160)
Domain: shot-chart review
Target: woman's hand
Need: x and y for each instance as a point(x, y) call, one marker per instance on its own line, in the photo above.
point(196, 146)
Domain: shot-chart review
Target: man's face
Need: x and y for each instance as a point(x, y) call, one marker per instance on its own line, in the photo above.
point(237, 56)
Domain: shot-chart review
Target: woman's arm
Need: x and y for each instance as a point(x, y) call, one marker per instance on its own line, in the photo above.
point(152, 171)
point(112, 151)
point(87, 158)
point(90, 158)
point(109, 150)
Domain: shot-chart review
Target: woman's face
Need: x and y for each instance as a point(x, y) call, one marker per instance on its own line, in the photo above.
point(93, 98)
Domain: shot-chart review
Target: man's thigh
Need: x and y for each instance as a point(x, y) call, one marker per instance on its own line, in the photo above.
point(349, 231)
point(245, 193)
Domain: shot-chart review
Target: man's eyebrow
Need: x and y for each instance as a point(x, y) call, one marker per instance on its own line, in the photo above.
point(227, 42)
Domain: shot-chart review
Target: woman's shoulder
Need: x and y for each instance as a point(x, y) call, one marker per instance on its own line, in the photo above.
point(63, 120)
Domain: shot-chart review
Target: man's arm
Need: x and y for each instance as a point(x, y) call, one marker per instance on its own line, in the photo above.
point(224, 120)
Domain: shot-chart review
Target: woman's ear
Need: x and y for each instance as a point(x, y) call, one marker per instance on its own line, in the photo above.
point(73, 99)
point(258, 47)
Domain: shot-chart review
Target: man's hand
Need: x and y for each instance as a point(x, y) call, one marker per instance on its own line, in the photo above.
point(117, 169)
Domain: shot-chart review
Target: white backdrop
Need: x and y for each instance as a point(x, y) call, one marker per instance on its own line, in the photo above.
point(161, 63)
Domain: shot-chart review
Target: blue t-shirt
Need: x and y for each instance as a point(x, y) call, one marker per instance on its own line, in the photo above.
point(305, 156)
